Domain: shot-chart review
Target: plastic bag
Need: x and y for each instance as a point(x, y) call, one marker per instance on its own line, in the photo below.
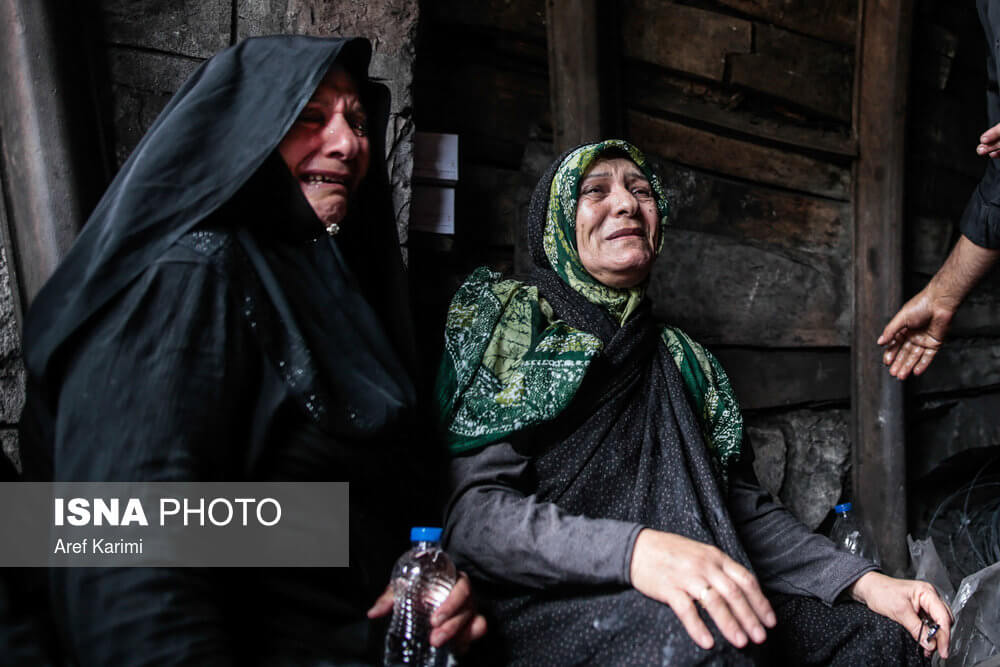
point(975, 636)
point(929, 567)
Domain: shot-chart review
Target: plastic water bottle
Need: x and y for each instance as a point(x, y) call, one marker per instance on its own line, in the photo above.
point(848, 534)
point(421, 580)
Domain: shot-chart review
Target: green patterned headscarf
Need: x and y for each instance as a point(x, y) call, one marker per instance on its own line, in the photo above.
point(509, 363)
point(560, 225)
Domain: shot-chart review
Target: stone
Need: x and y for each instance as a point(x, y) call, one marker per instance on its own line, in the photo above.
point(12, 376)
point(770, 453)
point(141, 85)
point(816, 462)
point(198, 28)
point(8, 441)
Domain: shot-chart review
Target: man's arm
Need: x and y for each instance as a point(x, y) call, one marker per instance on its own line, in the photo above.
point(913, 337)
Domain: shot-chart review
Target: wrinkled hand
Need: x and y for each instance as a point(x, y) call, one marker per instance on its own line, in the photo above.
point(456, 619)
point(989, 143)
point(915, 334)
point(901, 600)
point(679, 572)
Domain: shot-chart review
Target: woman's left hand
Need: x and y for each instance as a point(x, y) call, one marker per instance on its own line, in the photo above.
point(902, 600)
point(456, 619)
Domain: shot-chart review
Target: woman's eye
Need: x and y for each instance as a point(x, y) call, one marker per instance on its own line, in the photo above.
point(360, 126)
point(310, 117)
point(642, 192)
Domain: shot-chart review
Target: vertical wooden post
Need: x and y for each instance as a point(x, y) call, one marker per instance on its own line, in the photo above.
point(583, 57)
point(52, 160)
point(882, 77)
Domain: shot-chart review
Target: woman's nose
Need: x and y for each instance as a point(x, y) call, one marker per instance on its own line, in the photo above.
point(625, 203)
point(340, 139)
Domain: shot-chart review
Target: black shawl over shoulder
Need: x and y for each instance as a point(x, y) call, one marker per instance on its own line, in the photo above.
point(206, 328)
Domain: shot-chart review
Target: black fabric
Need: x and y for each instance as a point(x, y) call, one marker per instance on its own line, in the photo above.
point(811, 634)
point(628, 448)
point(210, 330)
point(980, 221)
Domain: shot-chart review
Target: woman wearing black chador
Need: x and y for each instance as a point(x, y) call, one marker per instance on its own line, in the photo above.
point(235, 310)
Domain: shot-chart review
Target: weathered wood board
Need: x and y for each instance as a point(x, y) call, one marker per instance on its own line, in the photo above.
point(813, 74)
point(683, 38)
point(748, 160)
point(492, 110)
point(933, 191)
point(962, 364)
point(524, 17)
point(939, 428)
point(831, 20)
point(496, 223)
point(929, 242)
point(726, 292)
point(774, 378)
point(652, 90)
point(755, 214)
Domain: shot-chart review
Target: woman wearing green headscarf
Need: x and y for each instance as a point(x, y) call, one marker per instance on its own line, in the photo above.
point(603, 492)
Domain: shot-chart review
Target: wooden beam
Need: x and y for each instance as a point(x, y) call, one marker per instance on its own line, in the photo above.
point(583, 63)
point(879, 470)
point(52, 159)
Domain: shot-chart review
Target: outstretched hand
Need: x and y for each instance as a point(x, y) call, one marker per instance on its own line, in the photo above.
point(456, 619)
point(680, 572)
point(902, 600)
point(913, 337)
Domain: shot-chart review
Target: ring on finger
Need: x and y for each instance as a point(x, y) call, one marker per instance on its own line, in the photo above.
point(703, 594)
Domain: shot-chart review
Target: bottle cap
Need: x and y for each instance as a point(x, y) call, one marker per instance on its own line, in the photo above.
point(842, 508)
point(425, 534)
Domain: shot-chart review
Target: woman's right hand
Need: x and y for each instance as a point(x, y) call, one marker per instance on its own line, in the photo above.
point(680, 572)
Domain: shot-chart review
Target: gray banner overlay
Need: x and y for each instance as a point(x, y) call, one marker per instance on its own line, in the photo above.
point(174, 524)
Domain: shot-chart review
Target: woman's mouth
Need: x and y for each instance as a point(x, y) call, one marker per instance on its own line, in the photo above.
point(319, 179)
point(631, 231)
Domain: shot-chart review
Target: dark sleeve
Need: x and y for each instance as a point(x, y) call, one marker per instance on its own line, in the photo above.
point(786, 555)
point(496, 532)
point(152, 393)
point(980, 221)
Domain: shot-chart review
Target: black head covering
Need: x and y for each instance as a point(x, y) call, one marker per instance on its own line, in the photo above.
point(208, 152)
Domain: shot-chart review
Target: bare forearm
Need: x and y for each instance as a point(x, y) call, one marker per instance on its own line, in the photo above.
point(964, 268)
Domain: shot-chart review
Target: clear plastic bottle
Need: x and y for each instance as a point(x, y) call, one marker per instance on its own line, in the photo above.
point(848, 534)
point(421, 580)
